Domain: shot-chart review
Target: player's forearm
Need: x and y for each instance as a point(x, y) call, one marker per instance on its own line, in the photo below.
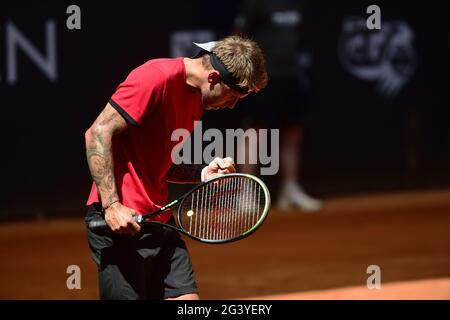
point(185, 173)
point(100, 160)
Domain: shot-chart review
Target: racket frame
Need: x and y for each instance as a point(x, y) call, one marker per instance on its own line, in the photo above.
point(180, 201)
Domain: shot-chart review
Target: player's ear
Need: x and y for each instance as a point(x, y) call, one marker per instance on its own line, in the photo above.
point(213, 77)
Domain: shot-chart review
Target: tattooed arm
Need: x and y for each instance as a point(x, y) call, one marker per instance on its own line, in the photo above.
point(185, 173)
point(99, 153)
point(100, 159)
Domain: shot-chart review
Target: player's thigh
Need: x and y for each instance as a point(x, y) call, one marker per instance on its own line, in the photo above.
point(123, 272)
point(174, 269)
point(115, 284)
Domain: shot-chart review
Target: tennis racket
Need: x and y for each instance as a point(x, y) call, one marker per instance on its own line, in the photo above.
point(223, 209)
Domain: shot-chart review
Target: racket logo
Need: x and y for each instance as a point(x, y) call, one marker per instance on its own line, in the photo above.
point(168, 205)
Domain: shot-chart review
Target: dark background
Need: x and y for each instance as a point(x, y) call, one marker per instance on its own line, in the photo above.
point(355, 140)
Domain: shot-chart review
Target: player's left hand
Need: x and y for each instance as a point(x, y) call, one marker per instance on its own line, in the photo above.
point(218, 167)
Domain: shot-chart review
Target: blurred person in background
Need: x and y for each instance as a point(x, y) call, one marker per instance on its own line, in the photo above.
point(278, 26)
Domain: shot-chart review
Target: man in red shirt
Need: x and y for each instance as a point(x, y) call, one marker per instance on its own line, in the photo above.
point(129, 155)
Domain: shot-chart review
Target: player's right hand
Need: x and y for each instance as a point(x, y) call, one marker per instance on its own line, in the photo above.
point(120, 219)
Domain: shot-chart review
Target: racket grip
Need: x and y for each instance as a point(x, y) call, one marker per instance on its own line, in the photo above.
point(98, 225)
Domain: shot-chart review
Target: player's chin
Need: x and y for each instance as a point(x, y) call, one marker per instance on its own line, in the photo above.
point(209, 107)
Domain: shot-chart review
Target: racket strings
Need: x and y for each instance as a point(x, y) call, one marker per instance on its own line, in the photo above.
point(223, 209)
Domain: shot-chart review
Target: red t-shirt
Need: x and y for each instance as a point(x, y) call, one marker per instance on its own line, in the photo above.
point(156, 100)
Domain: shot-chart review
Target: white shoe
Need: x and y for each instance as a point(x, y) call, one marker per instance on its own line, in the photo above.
point(293, 196)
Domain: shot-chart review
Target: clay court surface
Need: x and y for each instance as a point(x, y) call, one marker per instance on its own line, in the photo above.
point(294, 255)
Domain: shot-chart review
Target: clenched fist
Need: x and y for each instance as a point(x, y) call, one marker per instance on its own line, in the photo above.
point(218, 167)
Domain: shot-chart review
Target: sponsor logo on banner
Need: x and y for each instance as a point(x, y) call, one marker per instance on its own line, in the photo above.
point(385, 57)
point(17, 43)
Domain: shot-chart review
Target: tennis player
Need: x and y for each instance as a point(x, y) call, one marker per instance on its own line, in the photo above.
point(129, 155)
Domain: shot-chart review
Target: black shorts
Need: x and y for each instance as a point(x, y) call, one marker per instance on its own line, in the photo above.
point(152, 265)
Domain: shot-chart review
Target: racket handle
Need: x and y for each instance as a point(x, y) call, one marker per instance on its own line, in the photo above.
point(100, 225)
